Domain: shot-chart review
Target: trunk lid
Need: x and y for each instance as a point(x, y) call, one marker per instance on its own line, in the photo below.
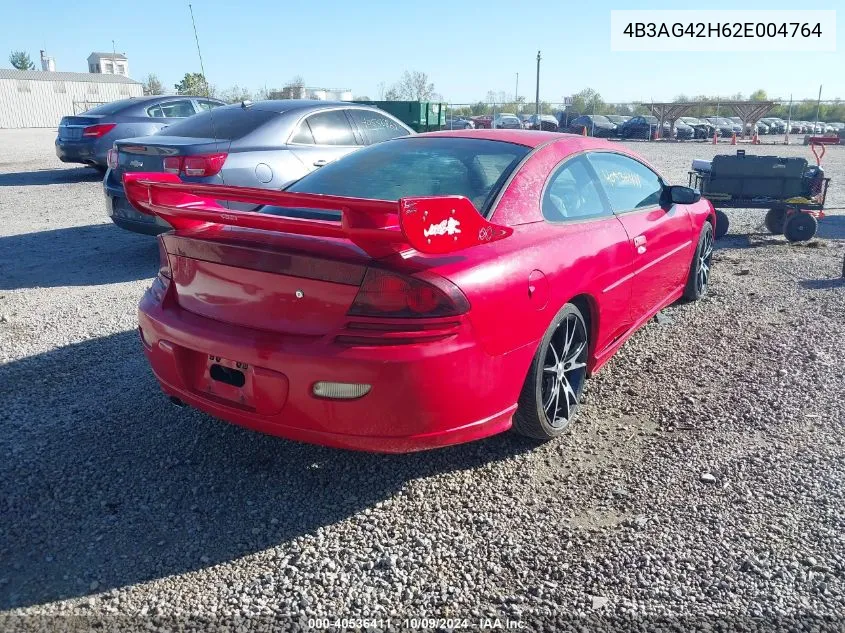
point(148, 153)
point(288, 284)
point(70, 127)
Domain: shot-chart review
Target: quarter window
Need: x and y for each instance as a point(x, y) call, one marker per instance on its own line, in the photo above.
point(303, 135)
point(331, 128)
point(207, 105)
point(572, 193)
point(628, 183)
point(175, 109)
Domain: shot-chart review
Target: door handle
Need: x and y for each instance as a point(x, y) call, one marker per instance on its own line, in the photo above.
point(640, 242)
point(321, 162)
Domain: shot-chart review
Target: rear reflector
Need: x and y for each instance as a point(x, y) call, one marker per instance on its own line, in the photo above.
point(340, 390)
point(96, 131)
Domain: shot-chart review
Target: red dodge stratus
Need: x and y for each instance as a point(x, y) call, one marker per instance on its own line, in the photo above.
point(421, 292)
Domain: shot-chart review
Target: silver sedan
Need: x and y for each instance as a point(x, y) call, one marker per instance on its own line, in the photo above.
point(267, 144)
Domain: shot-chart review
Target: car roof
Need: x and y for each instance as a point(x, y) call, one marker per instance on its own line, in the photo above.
point(528, 138)
point(147, 98)
point(288, 105)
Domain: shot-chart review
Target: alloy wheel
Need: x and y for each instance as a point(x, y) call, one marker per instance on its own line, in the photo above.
point(702, 265)
point(564, 371)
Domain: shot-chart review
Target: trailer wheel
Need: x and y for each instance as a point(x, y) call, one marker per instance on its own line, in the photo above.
point(774, 220)
point(723, 223)
point(800, 227)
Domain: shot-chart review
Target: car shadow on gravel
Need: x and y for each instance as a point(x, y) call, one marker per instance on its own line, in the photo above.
point(832, 227)
point(77, 256)
point(106, 485)
point(822, 284)
point(61, 176)
point(748, 240)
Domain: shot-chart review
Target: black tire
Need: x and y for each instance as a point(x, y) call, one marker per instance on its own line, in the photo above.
point(699, 273)
point(800, 227)
point(559, 369)
point(774, 220)
point(723, 223)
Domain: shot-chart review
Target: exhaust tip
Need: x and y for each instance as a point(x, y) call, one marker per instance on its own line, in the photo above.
point(176, 402)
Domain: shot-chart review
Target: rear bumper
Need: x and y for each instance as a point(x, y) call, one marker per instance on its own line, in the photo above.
point(126, 217)
point(423, 396)
point(88, 151)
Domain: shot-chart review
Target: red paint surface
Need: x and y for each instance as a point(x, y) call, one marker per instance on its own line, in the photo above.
point(435, 381)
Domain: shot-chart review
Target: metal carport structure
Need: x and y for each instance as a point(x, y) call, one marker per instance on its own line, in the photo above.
point(748, 111)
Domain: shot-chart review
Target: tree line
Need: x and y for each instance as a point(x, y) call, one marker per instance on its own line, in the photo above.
point(416, 86)
point(411, 86)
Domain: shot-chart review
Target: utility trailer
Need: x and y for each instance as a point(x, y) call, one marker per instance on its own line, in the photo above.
point(792, 191)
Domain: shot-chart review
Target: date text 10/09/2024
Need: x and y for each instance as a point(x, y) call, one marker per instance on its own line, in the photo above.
point(722, 29)
point(426, 624)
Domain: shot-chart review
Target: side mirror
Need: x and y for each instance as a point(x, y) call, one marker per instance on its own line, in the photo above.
point(679, 194)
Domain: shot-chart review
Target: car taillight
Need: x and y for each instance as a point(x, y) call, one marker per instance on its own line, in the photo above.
point(96, 131)
point(172, 164)
point(202, 165)
point(111, 158)
point(389, 294)
point(207, 165)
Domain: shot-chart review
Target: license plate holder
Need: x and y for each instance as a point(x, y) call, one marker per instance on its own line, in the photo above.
point(229, 380)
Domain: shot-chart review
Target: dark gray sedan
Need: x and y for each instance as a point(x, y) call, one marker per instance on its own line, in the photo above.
point(266, 144)
point(87, 137)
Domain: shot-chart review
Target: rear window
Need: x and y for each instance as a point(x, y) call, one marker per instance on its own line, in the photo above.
point(111, 108)
point(475, 168)
point(225, 124)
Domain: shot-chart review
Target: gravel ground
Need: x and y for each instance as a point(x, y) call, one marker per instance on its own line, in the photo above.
point(703, 485)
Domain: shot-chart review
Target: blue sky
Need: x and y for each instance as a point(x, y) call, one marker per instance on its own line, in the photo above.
point(466, 47)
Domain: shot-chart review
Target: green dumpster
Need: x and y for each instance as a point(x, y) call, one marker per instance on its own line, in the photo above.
point(421, 116)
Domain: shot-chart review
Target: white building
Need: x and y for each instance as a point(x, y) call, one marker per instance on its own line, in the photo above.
point(47, 63)
point(34, 98)
point(321, 94)
point(108, 64)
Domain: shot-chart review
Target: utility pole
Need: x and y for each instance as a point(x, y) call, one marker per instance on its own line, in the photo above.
point(818, 110)
point(537, 98)
point(516, 93)
point(113, 58)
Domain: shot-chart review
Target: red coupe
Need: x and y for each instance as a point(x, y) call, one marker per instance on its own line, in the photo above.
point(421, 292)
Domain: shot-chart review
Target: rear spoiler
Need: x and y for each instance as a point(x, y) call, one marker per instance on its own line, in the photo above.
point(431, 225)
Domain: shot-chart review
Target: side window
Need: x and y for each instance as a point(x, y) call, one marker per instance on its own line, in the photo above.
point(376, 127)
point(177, 109)
point(628, 183)
point(207, 105)
point(572, 193)
point(331, 128)
point(155, 112)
